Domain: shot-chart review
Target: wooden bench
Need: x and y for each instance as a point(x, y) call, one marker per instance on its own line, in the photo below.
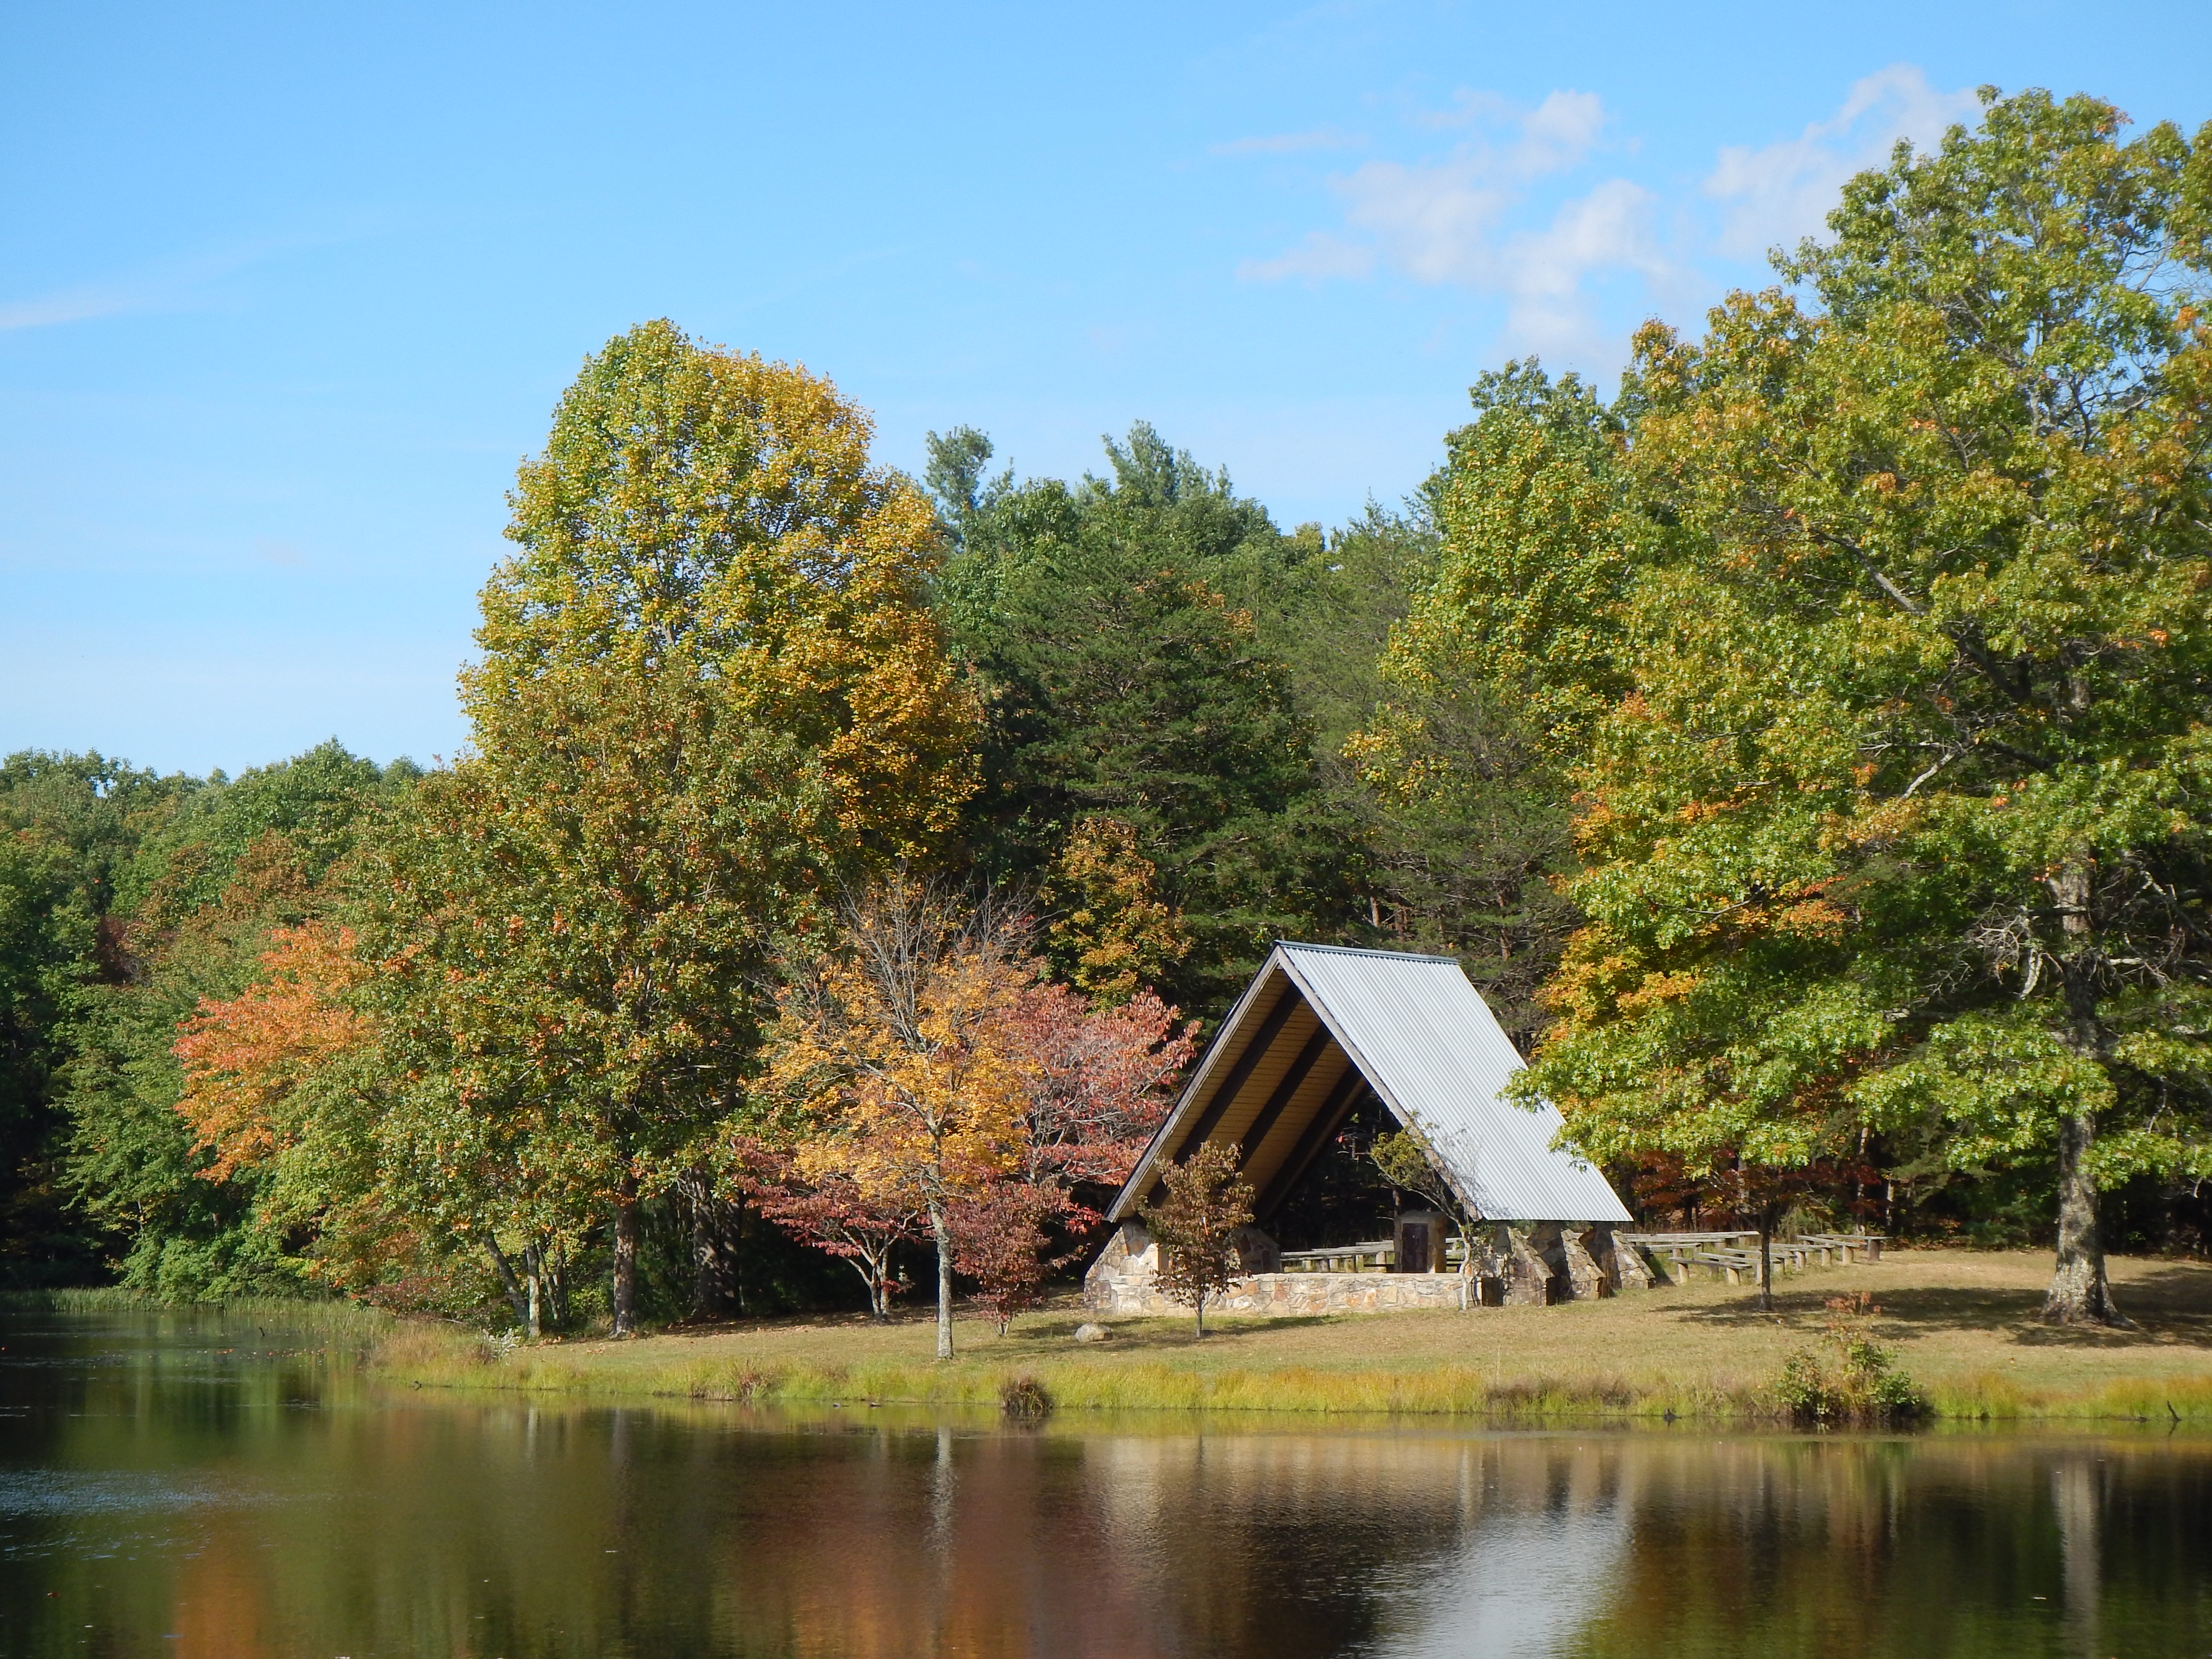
point(1344, 1259)
point(1679, 1250)
point(1868, 1245)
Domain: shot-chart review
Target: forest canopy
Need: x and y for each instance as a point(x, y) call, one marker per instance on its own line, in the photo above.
point(1804, 750)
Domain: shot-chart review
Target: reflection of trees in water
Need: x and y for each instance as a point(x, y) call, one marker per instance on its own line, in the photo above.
point(537, 1531)
point(1779, 1547)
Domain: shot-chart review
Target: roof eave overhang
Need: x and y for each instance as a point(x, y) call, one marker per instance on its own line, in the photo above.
point(1125, 1201)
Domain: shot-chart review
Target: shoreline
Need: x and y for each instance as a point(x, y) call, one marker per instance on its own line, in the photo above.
point(1960, 1324)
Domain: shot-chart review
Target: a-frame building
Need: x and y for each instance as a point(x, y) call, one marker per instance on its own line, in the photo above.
point(1319, 1028)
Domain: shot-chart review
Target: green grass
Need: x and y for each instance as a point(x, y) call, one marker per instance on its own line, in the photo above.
point(1962, 1323)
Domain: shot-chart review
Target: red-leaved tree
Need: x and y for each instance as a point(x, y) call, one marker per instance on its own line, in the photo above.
point(999, 1240)
point(1100, 1081)
point(830, 1212)
point(1095, 1083)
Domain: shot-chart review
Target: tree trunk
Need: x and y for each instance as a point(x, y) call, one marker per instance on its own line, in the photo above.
point(509, 1283)
point(940, 1228)
point(1201, 1309)
point(713, 1250)
point(534, 1280)
point(625, 1289)
point(2079, 1293)
point(875, 1273)
point(555, 1265)
point(1766, 1260)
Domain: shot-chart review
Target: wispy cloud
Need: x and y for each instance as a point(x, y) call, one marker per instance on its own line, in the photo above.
point(1292, 144)
point(172, 284)
point(1781, 191)
point(160, 287)
point(1445, 221)
point(1500, 211)
point(78, 305)
point(1317, 258)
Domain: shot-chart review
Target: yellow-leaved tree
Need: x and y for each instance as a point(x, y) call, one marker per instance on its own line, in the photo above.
point(897, 1064)
point(711, 690)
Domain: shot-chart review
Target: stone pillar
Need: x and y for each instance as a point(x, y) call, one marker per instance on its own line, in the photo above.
point(1120, 1280)
point(1575, 1276)
point(1621, 1262)
point(1256, 1252)
point(1523, 1278)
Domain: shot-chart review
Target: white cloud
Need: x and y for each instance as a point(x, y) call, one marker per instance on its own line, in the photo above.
point(1543, 272)
point(1558, 134)
point(1783, 190)
point(1447, 222)
point(1291, 143)
point(1434, 222)
point(1437, 222)
point(76, 305)
point(1317, 258)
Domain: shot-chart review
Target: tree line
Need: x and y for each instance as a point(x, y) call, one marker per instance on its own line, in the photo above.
point(1804, 750)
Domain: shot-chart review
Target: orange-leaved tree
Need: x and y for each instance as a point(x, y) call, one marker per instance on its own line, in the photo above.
point(894, 1064)
point(281, 1092)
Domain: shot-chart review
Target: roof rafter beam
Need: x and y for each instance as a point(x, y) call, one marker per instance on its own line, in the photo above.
point(1240, 1072)
point(1326, 1121)
point(1294, 1080)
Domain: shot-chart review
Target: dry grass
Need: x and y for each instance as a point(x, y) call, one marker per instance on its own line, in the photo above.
point(1963, 1325)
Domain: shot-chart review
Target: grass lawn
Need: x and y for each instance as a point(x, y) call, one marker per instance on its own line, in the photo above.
point(1962, 1324)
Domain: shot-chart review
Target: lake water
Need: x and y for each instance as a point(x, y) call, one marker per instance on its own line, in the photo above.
point(186, 1487)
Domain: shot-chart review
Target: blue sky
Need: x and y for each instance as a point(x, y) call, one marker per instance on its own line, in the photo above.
point(286, 291)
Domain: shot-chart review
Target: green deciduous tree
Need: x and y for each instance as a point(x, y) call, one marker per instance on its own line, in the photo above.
point(711, 683)
point(1196, 1222)
point(1486, 691)
point(1905, 817)
point(211, 868)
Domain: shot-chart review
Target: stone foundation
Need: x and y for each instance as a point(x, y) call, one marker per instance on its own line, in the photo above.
point(1512, 1266)
point(1290, 1293)
point(1123, 1280)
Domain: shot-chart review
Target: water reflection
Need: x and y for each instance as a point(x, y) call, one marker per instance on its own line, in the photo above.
point(160, 1496)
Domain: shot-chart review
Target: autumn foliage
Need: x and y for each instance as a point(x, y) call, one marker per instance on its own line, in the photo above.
point(246, 1060)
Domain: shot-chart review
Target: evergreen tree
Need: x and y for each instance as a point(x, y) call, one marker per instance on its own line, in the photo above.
point(1114, 629)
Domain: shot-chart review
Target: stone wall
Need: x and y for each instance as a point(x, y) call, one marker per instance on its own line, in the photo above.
point(1124, 1280)
point(1544, 1264)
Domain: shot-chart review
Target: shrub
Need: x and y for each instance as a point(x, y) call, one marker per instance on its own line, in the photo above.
point(1847, 1378)
point(1025, 1396)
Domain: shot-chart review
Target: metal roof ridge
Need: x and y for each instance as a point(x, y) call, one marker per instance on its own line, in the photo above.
point(1362, 950)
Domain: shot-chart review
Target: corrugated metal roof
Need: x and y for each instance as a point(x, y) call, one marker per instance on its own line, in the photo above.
point(1426, 1041)
point(1432, 1049)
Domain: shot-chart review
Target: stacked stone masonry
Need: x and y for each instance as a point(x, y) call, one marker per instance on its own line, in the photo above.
point(1509, 1266)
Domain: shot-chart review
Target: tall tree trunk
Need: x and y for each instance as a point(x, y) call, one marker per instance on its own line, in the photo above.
point(2080, 1293)
point(625, 1289)
point(1201, 1308)
point(509, 1283)
point(1766, 1258)
point(941, 1227)
point(534, 1280)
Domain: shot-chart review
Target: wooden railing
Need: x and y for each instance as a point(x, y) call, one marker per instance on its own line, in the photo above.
point(1727, 1255)
point(1727, 1258)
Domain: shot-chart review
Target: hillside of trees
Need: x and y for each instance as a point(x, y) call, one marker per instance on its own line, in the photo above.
point(1807, 750)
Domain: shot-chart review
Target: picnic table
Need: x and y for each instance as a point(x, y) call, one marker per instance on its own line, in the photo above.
point(1728, 1257)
